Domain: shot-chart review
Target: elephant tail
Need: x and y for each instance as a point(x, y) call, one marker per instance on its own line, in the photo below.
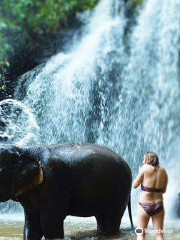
point(130, 212)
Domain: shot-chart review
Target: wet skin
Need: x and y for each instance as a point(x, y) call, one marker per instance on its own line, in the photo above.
point(150, 177)
point(76, 179)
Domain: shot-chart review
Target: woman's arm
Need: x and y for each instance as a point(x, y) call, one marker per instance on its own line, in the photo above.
point(166, 182)
point(138, 180)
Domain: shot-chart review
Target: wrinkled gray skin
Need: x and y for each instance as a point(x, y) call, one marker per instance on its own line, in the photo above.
point(54, 181)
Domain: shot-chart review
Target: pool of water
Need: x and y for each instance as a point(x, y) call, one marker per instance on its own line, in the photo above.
point(11, 228)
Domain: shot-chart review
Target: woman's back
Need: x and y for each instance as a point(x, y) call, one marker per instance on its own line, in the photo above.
point(155, 178)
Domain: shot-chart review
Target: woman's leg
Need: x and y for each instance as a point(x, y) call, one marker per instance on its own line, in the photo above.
point(142, 222)
point(158, 220)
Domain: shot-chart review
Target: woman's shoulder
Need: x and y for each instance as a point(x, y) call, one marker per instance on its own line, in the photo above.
point(163, 170)
point(149, 169)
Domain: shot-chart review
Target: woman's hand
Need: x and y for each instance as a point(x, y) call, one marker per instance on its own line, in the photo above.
point(138, 180)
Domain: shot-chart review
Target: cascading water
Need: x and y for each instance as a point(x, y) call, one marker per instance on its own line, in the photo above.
point(64, 95)
point(148, 111)
point(14, 117)
point(116, 90)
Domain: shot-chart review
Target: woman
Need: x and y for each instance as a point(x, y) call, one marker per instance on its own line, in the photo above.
point(153, 180)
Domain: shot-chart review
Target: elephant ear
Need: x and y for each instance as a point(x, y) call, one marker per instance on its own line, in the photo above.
point(28, 174)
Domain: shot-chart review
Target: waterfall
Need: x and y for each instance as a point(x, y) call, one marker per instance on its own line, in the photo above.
point(147, 113)
point(115, 89)
point(65, 95)
point(147, 116)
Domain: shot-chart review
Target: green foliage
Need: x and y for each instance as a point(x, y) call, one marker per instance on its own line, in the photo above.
point(41, 15)
point(31, 18)
point(4, 64)
point(135, 5)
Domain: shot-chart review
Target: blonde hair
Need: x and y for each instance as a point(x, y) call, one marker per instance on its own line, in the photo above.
point(152, 158)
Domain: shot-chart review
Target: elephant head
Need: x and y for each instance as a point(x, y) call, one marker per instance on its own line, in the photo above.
point(19, 172)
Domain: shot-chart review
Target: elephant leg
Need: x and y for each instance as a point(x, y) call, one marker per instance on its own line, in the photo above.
point(52, 221)
point(101, 223)
point(32, 228)
point(52, 228)
point(113, 220)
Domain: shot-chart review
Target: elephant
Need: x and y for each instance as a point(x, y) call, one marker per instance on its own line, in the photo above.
point(54, 181)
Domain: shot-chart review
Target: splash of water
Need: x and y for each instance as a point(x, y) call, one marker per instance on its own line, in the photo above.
point(17, 123)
